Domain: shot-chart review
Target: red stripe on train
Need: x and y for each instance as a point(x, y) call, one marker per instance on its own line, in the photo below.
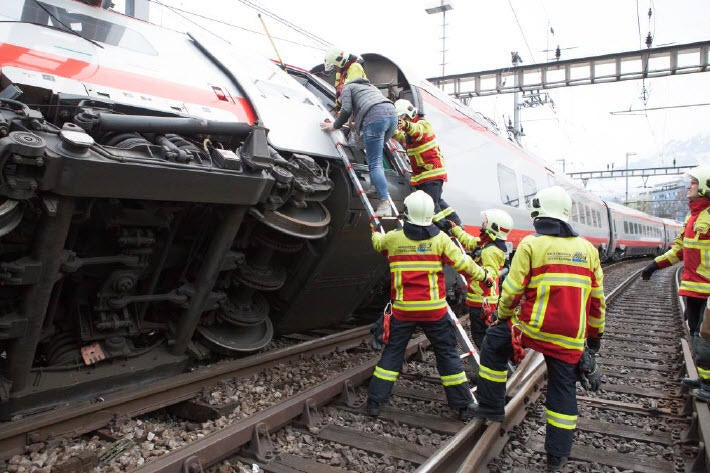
point(40, 61)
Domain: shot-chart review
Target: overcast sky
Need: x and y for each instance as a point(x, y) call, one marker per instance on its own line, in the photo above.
point(481, 35)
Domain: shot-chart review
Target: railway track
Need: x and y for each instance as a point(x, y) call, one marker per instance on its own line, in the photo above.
point(320, 426)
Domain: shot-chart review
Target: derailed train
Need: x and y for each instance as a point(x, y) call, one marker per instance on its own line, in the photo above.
point(153, 215)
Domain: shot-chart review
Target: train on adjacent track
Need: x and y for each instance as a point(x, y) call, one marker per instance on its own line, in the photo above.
point(165, 198)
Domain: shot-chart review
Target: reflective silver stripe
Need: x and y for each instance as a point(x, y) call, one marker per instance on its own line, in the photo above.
point(563, 421)
point(492, 375)
point(419, 305)
point(558, 279)
point(560, 340)
point(454, 379)
point(385, 375)
point(416, 265)
point(512, 287)
point(696, 244)
point(540, 307)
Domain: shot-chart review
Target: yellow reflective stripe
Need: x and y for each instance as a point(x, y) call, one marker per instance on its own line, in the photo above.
point(559, 340)
point(419, 305)
point(492, 375)
point(416, 266)
point(454, 379)
point(433, 286)
point(596, 322)
point(428, 174)
point(703, 373)
point(443, 214)
point(385, 375)
point(694, 285)
point(696, 244)
point(583, 313)
point(422, 148)
point(563, 421)
point(512, 287)
point(474, 297)
point(671, 257)
point(398, 287)
point(560, 279)
point(598, 292)
point(540, 307)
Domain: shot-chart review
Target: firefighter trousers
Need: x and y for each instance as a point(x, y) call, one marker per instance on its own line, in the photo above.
point(442, 336)
point(694, 311)
point(441, 208)
point(478, 325)
point(561, 404)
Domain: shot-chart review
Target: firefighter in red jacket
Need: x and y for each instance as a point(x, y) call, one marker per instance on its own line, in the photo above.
point(489, 251)
point(417, 255)
point(556, 277)
point(691, 243)
point(428, 170)
point(347, 69)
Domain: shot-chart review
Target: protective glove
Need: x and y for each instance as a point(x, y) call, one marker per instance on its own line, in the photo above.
point(488, 278)
point(403, 125)
point(648, 270)
point(588, 372)
point(445, 225)
point(594, 344)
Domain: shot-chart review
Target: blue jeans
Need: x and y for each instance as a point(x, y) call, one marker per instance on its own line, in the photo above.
point(374, 136)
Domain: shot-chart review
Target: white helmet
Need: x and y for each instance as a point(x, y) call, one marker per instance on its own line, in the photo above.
point(405, 107)
point(702, 174)
point(419, 208)
point(553, 202)
point(334, 57)
point(499, 223)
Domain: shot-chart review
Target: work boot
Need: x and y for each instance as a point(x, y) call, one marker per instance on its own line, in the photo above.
point(488, 414)
point(701, 394)
point(373, 408)
point(384, 209)
point(468, 412)
point(555, 463)
point(690, 383)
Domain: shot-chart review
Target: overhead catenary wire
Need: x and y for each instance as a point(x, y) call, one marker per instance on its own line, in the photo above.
point(522, 32)
point(222, 22)
point(286, 23)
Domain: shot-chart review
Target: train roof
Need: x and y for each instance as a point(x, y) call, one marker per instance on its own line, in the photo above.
point(628, 211)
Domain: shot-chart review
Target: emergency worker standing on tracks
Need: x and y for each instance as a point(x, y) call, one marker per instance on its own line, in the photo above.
point(691, 243)
point(489, 251)
point(347, 68)
point(556, 277)
point(375, 117)
point(417, 255)
point(428, 170)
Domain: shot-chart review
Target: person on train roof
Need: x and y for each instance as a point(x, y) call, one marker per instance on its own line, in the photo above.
point(428, 169)
point(555, 276)
point(690, 244)
point(489, 251)
point(417, 254)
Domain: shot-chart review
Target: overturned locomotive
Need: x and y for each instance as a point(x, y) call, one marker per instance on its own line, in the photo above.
point(153, 215)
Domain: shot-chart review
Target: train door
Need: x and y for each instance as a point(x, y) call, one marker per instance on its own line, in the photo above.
point(613, 235)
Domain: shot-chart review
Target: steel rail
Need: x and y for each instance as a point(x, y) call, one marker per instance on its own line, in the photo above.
point(228, 441)
point(85, 417)
point(455, 455)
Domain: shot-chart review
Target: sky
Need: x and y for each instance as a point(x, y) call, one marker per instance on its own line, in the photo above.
point(480, 35)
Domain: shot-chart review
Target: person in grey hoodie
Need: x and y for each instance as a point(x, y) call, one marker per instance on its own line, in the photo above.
point(375, 119)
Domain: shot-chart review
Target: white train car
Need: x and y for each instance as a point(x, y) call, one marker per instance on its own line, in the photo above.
point(636, 233)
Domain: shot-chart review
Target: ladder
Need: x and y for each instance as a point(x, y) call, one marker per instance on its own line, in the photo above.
point(470, 352)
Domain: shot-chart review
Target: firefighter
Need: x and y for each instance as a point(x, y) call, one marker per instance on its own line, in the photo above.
point(376, 119)
point(556, 276)
point(690, 243)
point(347, 68)
point(489, 251)
point(428, 170)
point(417, 254)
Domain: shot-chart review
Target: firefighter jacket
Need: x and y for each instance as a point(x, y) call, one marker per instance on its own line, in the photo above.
point(423, 151)
point(489, 254)
point(692, 245)
point(351, 71)
point(417, 284)
point(559, 283)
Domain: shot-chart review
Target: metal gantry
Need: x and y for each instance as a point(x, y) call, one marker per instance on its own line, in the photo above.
point(631, 65)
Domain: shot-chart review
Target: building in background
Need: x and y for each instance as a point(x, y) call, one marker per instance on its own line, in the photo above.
point(664, 200)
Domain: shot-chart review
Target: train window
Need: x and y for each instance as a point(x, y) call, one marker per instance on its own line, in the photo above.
point(508, 186)
point(86, 26)
point(529, 190)
point(599, 219)
point(626, 227)
point(574, 212)
point(595, 218)
point(588, 211)
point(582, 219)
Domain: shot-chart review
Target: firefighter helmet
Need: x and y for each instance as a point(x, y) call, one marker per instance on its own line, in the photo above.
point(334, 58)
point(499, 223)
point(702, 174)
point(405, 107)
point(419, 208)
point(553, 202)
